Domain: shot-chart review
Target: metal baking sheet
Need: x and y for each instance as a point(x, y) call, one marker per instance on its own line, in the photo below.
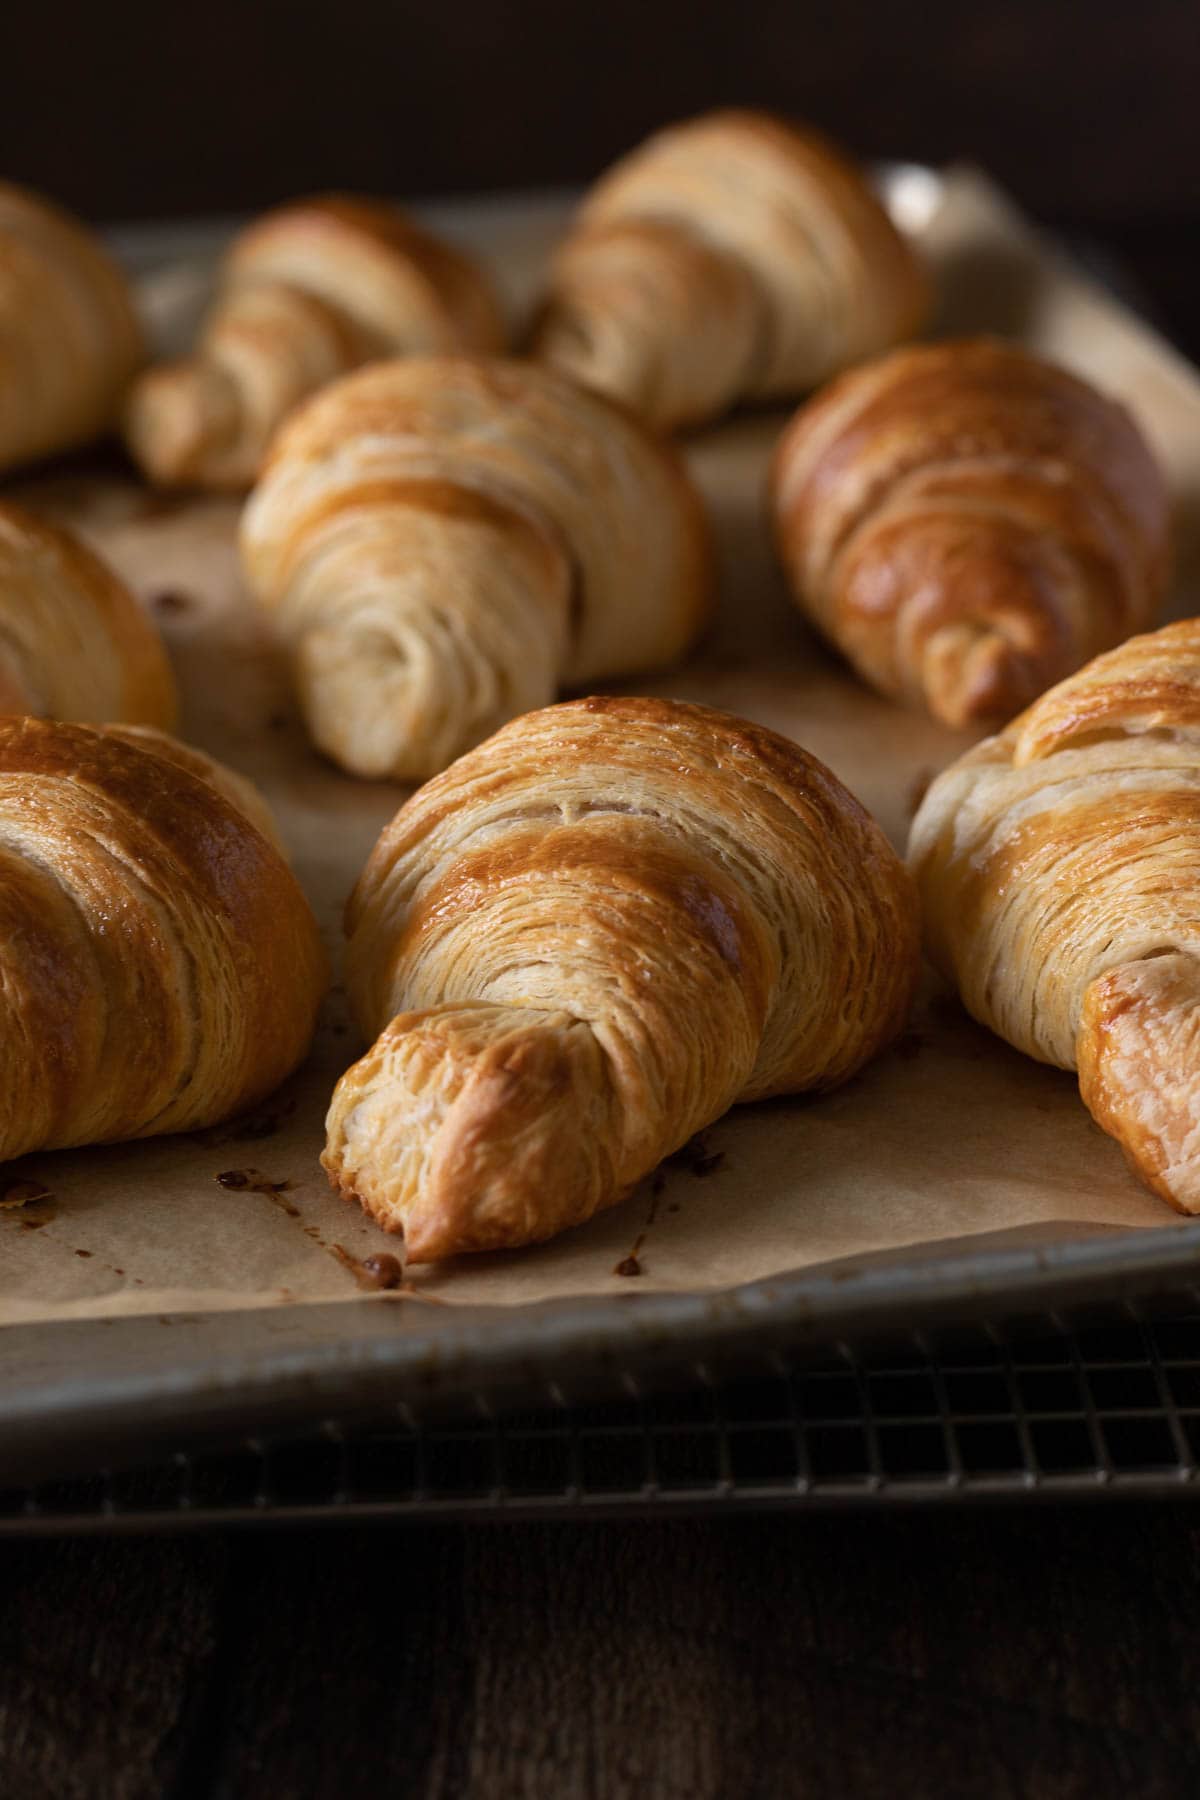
point(77, 1394)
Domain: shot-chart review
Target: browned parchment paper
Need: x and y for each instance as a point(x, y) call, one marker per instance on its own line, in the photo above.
point(949, 1135)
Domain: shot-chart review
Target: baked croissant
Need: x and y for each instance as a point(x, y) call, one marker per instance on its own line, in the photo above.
point(306, 294)
point(74, 643)
point(444, 542)
point(968, 524)
point(730, 258)
point(69, 339)
point(160, 968)
point(1059, 865)
point(586, 940)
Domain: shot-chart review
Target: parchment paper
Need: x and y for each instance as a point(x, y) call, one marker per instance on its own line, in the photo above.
point(948, 1135)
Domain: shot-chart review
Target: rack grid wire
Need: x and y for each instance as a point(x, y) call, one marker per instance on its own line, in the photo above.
point(1046, 1409)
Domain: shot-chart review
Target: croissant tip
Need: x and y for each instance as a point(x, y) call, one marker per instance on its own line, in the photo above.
point(175, 415)
point(973, 676)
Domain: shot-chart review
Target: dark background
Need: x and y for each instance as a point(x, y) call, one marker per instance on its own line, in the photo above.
point(1087, 110)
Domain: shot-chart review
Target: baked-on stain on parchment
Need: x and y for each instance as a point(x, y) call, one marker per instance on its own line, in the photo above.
point(697, 1158)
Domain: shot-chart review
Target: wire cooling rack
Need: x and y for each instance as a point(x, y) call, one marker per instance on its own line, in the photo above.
point(1048, 1409)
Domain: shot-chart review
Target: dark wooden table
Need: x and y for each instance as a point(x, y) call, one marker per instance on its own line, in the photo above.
point(1051, 1653)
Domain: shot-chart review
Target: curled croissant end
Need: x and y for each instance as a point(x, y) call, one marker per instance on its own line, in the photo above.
point(183, 422)
point(445, 541)
point(584, 942)
point(514, 1142)
point(69, 336)
point(1138, 1053)
point(731, 257)
point(613, 287)
point(307, 293)
point(74, 643)
point(968, 524)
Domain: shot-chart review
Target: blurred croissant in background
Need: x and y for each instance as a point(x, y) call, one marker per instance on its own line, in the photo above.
point(968, 523)
point(1059, 866)
point(444, 542)
point(74, 643)
point(734, 257)
point(585, 941)
point(69, 338)
point(305, 294)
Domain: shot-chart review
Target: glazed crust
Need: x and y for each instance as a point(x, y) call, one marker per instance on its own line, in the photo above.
point(307, 293)
point(968, 524)
point(732, 257)
point(74, 643)
point(444, 542)
point(1058, 864)
point(69, 338)
point(160, 968)
point(585, 941)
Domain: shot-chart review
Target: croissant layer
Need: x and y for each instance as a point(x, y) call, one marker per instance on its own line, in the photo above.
point(160, 967)
point(74, 643)
point(444, 542)
point(306, 294)
point(968, 524)
point(69, 337)
point(586, 940)
point(731, 257)
point(1058, 864)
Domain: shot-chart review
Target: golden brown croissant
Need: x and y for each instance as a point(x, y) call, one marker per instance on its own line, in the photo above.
point(160, 968)
point(968, 524)
point(306, 294)
point(733, 257)
point(74, 643)
point(446, 541)
point(1059, 865)
point(69, 340)
point(586, 940)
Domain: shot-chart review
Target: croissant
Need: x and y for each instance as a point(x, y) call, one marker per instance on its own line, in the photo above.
point(1059, 864)
point(306, 293)
point(160, 968)
point(733, 257)
point(586, 940)
point(444, 542)
point(69, 339)
point(968, 524)
point(74, 643)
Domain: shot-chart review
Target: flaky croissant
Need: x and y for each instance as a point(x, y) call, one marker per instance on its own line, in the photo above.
point(306, 294)
point(74, 643)
point(1059, 865)
point(69, 338)
point(968, 524)
point(586, 940)
point(160, 968)
point(730, 258)
point(446, 541)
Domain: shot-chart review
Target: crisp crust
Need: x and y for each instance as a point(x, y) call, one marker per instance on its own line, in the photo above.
point(74, 643)
point(583, 942)
point(160, 966)
point(307, 293)
point(968, 523)
point(735, 256)
point(445, 542)
point(1057, 865)
point(69, 336)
